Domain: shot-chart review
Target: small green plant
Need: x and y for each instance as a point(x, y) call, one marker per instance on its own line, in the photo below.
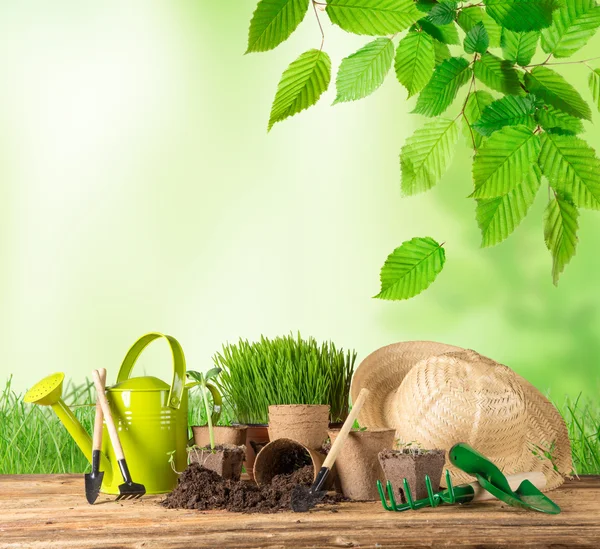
point(519, 116)
point(212, 416)
point(284, 370)
point(413, 448)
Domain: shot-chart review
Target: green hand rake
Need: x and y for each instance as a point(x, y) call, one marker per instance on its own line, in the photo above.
point(522, 490)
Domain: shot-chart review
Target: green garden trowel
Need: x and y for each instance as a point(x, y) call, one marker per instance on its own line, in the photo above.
point(491, 482)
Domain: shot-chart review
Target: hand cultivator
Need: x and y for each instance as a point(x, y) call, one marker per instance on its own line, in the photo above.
point(491, 483)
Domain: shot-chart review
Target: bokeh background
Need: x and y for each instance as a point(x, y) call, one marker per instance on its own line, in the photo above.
point(140, 191)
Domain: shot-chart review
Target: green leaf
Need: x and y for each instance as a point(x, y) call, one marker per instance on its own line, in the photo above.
point(504, 161)
point(441, 50)
point(301, 85)
point(361, 73)
point(519, 47)
point(425, 5)
point(447, 34)
point(507, 111)
point(498, 74)
point(440, 92)
point(443, 13)
point(411, 268)
point(426, 155)
point(554, 90)
point(522, 15)
point(477, 39)
point(560, 232)
point(212, 373)
point(469, 17)
point(572, 167)
point(474, 107)
point(553, 120)
point(573, 24)
point(196, 376)
point(594, 84)
point(273, 22)
point(415, 61)
point(499, 217)
point(374, 17)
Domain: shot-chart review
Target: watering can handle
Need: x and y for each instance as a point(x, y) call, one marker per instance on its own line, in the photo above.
point(178, 382)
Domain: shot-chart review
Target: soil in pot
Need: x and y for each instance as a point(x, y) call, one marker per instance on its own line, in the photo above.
point(304, 423)
point(257, 436)
point(283, 456)
point(199, 488)
point(357, 466)
point(413, 464)
point(235, 435)
point(225, 459)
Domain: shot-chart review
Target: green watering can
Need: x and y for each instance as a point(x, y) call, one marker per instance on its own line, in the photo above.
point(150, 415)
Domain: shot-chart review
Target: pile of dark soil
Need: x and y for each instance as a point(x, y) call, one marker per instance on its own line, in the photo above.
point(201, 489)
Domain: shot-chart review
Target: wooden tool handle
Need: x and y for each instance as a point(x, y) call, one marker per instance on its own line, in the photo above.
point(110, 423)
point(537, 478)
point(336, 447)
point(97, 440)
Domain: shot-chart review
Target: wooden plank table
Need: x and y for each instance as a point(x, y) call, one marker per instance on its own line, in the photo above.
point(50, 511)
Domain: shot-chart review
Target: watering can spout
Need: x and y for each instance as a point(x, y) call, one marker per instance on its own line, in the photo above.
point(48, 392)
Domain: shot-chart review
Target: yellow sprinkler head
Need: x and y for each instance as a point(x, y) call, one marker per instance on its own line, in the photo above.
point(46, 392)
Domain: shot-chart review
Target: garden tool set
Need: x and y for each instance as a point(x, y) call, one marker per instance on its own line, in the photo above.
point(151, 422)
point(129, 489)
point(491, 483)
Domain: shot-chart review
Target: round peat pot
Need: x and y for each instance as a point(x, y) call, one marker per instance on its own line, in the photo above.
point(304, 423)
point(235, 435)
point(413, 465)
point(357, 464)
point(284, 456)
point(257, 436)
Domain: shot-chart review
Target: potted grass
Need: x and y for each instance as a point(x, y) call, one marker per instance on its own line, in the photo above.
point(293, 385)
point(411, 462)
point(224, 458)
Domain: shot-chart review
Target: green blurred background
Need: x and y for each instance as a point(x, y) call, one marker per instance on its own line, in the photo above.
point(140, 191)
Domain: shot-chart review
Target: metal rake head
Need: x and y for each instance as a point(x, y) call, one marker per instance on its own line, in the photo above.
point(449, 496)
point(131, 490)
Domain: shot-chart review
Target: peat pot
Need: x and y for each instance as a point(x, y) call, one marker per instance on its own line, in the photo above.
point(357, 465)
point(413, 465)
point(304, 423)
point(284, 456)
point(225, 460)
point(257, 436)
point(235, 435)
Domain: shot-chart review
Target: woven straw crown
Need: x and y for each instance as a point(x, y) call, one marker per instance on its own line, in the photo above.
point(437, 395)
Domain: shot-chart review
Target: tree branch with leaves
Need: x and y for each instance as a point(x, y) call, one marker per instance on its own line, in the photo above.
point(522, 120)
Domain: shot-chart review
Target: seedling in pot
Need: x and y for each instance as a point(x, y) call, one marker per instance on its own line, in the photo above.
point(212, 416)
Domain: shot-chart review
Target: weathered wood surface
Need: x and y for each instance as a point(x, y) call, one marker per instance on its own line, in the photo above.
point(50, 511)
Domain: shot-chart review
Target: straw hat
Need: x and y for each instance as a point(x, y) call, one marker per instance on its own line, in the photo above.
point(437, 395)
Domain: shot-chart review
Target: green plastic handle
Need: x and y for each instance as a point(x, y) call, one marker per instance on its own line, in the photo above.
point(178, 382)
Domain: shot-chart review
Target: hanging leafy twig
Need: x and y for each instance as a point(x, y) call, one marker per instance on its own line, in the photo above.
point(523, 122)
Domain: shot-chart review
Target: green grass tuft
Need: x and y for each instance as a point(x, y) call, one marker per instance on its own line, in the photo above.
point(583, 423)
point(284, 370)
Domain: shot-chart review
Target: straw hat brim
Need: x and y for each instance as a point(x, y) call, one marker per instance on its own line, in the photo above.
point(545, 443)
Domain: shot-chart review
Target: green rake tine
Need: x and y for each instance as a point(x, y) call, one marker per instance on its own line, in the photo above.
point(382, 497)
point(390, 491)
point(433, 501)
point(408, 495)
point(450, 495)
